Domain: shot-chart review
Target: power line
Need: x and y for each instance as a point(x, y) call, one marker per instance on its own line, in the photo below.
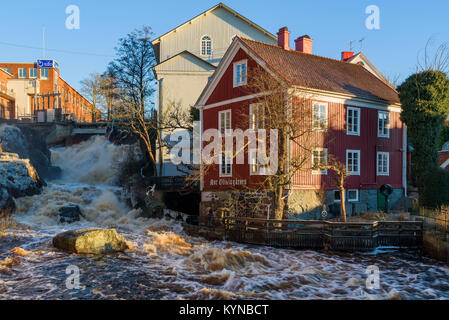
point(55, 50)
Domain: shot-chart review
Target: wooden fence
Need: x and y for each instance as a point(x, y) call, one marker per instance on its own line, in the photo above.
point(310, 234)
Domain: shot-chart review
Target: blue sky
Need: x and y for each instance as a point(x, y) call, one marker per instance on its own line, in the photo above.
point(405, 27)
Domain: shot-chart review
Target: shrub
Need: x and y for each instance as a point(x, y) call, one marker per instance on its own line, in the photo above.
point(434, 188)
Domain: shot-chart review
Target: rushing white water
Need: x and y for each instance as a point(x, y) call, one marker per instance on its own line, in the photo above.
point(165, 263)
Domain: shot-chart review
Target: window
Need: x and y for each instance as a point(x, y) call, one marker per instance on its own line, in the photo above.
point(383, 164)
point(240, 69)
point(255, 167)
point(44, 73)
point(353, 162)
point(206, 46)
point(33, 73)
point(225, 166)
point(319, 116)
point(337, 197)
point(383, 124)
point(319, 158)
point(22, 72)
point(256, 116)
point(224, 122)
point(353, 121)
point(353, 195)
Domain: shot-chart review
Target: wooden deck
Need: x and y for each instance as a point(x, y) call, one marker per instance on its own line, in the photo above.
point(310, 234)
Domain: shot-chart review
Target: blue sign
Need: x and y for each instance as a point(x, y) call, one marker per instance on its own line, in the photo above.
point(46, 64)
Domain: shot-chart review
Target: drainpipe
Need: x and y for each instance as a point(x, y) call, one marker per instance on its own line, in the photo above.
point(404, 159)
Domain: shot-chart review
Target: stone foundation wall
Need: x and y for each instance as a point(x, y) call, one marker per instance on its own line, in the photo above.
point(307, 204)
point(300, 204)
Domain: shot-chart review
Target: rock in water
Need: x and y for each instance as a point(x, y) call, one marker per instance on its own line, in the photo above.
point(70, 213)
point(90, 241)
point(18, 176)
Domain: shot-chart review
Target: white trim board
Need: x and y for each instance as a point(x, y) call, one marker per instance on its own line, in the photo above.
point(445, 164)
point(236, 45)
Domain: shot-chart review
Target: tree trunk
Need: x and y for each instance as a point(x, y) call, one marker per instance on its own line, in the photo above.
point(278, 203)
point(343, 204)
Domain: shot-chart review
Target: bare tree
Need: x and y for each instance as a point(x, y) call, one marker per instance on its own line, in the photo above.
point(434, 61)
point(91, 89)
point(291, 116)
point(133, 74)
point(109, 91)
point(132, 68)
point(339, 176)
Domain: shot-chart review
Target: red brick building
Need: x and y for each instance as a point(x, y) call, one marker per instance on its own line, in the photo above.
point(42, 89)
point(361, 112)
point(7, 97)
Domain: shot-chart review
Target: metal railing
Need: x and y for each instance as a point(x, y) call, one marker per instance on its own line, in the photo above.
point(311, 234)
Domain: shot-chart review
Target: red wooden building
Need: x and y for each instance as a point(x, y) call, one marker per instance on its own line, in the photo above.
point(361, 112)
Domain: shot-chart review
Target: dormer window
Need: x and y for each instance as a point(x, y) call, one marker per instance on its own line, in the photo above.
point(240, 70)
point(206, 46)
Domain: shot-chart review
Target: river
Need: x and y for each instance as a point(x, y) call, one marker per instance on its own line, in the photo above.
point(165, 263)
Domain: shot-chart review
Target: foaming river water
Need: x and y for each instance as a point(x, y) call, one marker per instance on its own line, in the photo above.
point(165, 263)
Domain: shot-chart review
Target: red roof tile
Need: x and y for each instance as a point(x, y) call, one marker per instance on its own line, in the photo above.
point(315, 72)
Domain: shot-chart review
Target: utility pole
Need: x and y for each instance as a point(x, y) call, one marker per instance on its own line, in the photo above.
point(43, 42)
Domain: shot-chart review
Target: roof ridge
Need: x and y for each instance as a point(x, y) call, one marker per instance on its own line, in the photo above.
point(325, 58)
point(299, 52)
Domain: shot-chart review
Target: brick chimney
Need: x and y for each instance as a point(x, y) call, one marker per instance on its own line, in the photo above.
point(284, 38)
point(304, 44)
point(345, 55)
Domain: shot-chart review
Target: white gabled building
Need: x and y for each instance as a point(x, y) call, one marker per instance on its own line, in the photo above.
point(188, 55)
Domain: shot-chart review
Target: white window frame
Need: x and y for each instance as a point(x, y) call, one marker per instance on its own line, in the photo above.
point(227, 131)
point(352, 132)
point(228, 162)
point(356, 199)
point(207, 42)
point(382, 173)
point(314, 128)
point(384, 126)
point(21, 71)
point(319, 172)
point(35, 73)
point(261, 170)
point(256, 109)
point(41, 74)
point(353, 173)
point(243, 80)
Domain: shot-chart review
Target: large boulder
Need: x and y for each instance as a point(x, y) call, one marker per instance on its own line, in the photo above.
point(90, 241)
point(30, 144)
point(18, 176)
point(70, 213)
